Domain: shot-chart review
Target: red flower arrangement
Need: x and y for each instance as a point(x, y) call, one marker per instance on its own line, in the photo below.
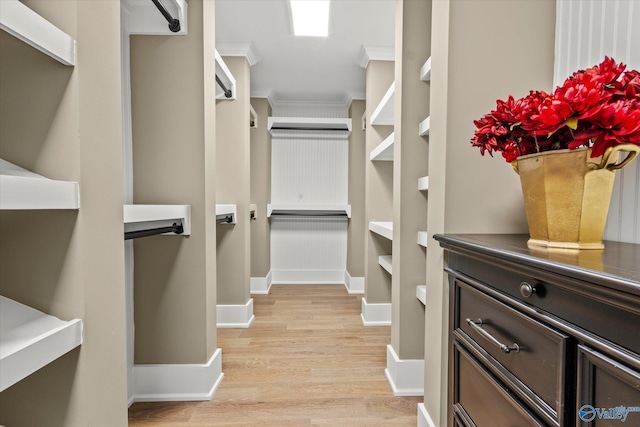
point(598, 107)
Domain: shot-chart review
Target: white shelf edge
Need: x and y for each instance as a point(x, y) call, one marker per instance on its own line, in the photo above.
point(223, 72)
point(30, 339)
point(309, 123)
point(421, 293)
point(383, 228)
point(223, 211)
point(423, 238)
point(425, 71)
point(384, 112)
point(141, 217)
point(143, 17)
point(21, 189)
point(26, 25)
point(424, 127)
point(384, 150)
point(423, 183)
point(302, 209)
point(253, 117)
point(385, 262)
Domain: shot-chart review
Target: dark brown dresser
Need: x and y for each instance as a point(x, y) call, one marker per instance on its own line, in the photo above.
point(542, 337)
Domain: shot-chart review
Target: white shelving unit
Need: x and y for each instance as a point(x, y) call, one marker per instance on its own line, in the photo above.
point(308, 124)
point(424, 127)
point(385, 262)
point(226, 212)
point(23, 189)
point(308, 210)
point(425, 71)
point(222, 71)
point(26, 25)
point(423, 237)
point(384, 112)
point(145, 217)
point(253, 117)
point(385, 229)
point(384, 151)
point(423, 183)
point(30, 339)
point(421, 293)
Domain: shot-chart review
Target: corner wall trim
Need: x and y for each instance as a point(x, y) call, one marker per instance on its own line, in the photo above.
point(375, 314)
point(354, 285)
point(424, 420)
point(261, 285)
point(406, 376)
point(235, 316)
point(161, 383)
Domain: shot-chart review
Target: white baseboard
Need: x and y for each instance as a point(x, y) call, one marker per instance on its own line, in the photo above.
point(235, 316)
point(161, 383)
point(308, 277)
point(376, 314)
point(354, 285)
point(424, 420)
point(261, 285)
point(406, 377)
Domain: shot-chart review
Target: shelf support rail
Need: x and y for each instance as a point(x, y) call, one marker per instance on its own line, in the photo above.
point(175, 228)
point(227, 92)
point(174, 24)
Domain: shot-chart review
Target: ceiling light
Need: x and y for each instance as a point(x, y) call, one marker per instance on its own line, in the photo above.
point(310, 17)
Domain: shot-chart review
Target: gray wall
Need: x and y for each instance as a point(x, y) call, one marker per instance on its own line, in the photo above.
point(357, 233)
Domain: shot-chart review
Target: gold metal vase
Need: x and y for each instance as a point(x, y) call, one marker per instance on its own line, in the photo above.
point(567, 194)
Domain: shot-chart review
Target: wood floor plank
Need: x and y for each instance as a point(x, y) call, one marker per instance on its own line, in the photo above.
point(306, 360)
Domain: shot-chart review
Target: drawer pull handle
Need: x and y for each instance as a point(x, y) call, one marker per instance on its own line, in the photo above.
point(505, 348)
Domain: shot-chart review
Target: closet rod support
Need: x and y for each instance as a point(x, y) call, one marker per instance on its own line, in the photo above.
point(175, 228)
point(174, 24)
point(227, 92)
point(227, 219)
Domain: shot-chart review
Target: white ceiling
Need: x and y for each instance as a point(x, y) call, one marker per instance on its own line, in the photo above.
point(306, 69)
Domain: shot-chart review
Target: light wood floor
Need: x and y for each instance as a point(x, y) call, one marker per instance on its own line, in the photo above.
point(306, 360)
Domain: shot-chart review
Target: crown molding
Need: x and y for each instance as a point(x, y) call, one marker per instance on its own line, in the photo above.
point(247, 50)
point(375, 53)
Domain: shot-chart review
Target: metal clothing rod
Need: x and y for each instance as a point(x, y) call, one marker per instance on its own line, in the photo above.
point(307, 128)
point(228, 219)
point(227, 92)
point(174, 24)
point(309, 213)
point(175, 228)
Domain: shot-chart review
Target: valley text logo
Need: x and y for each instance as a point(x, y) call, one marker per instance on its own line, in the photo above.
point(588, 413)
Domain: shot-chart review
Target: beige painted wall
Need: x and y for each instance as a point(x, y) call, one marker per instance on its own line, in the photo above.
point(378, 185)
point(51, 260)
point(411, 154)
point(233, 187)
point(261, 190)
point(469, 193)
point(357, 232)
point(173, 114)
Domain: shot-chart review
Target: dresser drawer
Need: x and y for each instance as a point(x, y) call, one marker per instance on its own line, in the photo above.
point(480, 400)
point(517, 348)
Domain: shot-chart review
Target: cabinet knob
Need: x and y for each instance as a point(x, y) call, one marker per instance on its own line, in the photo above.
point(526, 290)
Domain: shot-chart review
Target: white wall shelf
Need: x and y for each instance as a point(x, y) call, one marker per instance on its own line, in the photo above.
point(23, 189)
point(425, 71)
point(222, 71)
point(423, 183)
point(385, 262)
point(383, 114)
point(26, 25)
point(384, 151)
point(308, 210)
point(423, 237)
point(30, 339)
point(424, 127)
point(145, 217)
point(308, 123)
point(421, 293)
point(143, 17)
point(253, 117)
point(385, 229)
point(226, 214)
